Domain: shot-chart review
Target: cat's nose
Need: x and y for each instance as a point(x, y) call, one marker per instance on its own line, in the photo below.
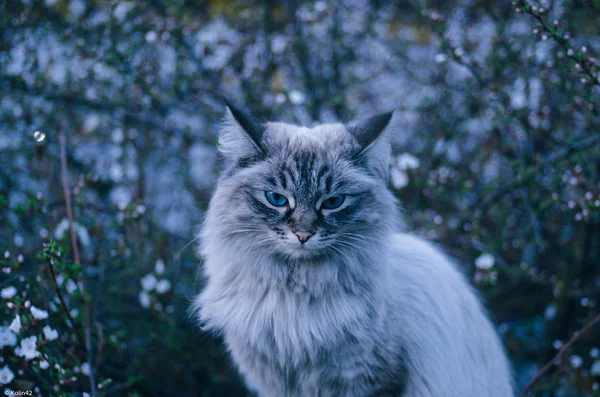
point(303, 236)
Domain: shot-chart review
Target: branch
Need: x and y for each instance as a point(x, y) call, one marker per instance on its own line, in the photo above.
point(63, 304)
point(77, 258)
point(560, 39)
point(560, 154)
point(560, 353)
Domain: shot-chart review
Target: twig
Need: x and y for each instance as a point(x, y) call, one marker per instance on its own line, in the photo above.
point(560, 154)
point(560, 353)
point(76, 256)
point(100, 343)
point(561, 40)
point(63, 304)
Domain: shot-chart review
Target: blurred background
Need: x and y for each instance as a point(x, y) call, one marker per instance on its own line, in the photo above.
point(497, 160)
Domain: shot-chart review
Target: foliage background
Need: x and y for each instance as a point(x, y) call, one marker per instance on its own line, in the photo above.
point(497, 119)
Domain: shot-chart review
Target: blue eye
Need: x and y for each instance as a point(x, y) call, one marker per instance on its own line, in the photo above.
point(333, 202)
point(276, 199)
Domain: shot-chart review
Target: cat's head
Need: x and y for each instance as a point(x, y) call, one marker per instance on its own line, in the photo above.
point(302, 193)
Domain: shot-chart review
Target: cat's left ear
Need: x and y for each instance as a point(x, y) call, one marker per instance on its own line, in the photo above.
point(374, 144)
point(240, 135)
point(368, 131)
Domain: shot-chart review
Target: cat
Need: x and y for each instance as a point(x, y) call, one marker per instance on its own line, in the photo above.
point(315, 287)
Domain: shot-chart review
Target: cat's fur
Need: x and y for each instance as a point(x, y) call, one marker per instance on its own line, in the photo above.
point(362, 309)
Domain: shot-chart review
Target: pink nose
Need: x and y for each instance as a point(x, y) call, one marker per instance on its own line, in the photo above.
point(303, 236)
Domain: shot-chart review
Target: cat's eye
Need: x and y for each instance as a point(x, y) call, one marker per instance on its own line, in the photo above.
point(333, 202)
point(276, 199)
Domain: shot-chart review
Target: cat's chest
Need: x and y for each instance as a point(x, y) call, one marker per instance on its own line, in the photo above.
point(295, 326)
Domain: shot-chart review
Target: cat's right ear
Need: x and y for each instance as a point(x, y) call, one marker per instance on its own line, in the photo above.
point(240, 134)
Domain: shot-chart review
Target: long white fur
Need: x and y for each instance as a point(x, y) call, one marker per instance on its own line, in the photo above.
point(396, 313)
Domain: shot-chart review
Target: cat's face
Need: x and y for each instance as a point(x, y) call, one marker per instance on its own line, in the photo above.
point(301, 193)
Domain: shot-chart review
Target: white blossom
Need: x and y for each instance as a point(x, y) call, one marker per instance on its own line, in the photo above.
point(50, 333)
point(159, 267)
point(399, 178)
point(6, 375)
point(148, 282)
point(28, 348)
point(71, 286)
point(550, 311)
point(144, 299)
point(15, 325)
point(485, 261)
point(296, 97)
point(86, 369)
point(407, 161)
point(8, 292)
point(576, 361)
point(38, 313)
point(44, 364)
point(7, 337)
point(163, 286)
point(595, 369)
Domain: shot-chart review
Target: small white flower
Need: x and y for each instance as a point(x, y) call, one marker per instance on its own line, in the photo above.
point(44, 364)
point(50, 333)
point(485, 261)
point(85, 369)
point(440, 58)
point(71, 286)
point(163, 286)
point(594, 352)
point(595, 369)
point(7, 337)
point(407, 161)
point(148, 282)
point(296, 97)
point(86, 394)
point(576, 361)
point(8, 292)
point(399, 178)
point(15, 325)
point(38, 313)
point(28, 348)
point(557, 344)
point(144, 299)
point(159, 267)
point(6, 375)
point(550, 311)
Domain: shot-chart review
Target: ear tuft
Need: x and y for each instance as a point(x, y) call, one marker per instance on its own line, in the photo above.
point(249, 124)
point(375, 147)
point(367, 131)
point(240, 135)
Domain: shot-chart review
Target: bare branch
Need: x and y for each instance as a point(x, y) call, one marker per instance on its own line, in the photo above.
point(559, 355)
point(76, 256)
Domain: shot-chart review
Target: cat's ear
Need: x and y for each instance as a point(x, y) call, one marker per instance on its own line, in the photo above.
point(368, 131)
point(240, 134)
point(374, 143)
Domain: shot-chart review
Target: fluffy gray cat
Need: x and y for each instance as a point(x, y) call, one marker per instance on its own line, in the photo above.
point(314, 286)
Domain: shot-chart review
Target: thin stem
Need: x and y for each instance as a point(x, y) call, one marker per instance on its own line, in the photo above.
point(76, 256)
point(63, 304)
point(559, 355)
